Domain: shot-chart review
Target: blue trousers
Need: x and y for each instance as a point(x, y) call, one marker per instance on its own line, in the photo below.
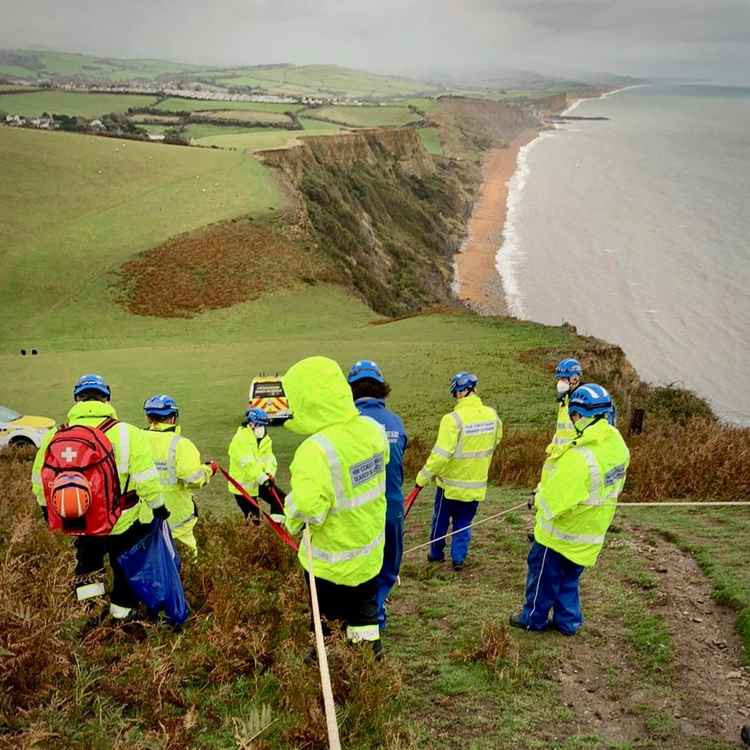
point(394, 548)
point(552, 584)
point(461, 513)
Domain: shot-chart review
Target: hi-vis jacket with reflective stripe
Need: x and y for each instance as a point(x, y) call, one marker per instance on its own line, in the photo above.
point(338, 475)
point(180, 469)
point(250, 461)
point(564, 430)
point(577, 497)
point(461, 457)
point(133, 457)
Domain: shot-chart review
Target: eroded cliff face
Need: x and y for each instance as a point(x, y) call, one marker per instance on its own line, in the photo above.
point(388, 214)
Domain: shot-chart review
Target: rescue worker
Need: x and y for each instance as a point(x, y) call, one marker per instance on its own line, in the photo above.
point(460, 462)
point(180, 468)
point(338, 491)
point(575, 504)
point(568, 373)
point(253, 464)
point(370, 391)
point(138, 478)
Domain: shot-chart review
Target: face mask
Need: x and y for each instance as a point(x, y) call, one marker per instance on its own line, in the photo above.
point(260, 432)
point(563, 386)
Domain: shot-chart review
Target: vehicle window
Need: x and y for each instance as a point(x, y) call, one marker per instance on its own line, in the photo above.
point(268, 390)
point(8, 415)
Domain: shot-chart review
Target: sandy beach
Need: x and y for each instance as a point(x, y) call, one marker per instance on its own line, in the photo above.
point(479, 284)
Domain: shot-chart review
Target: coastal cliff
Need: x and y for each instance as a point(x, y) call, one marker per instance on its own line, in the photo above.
point(389, 215)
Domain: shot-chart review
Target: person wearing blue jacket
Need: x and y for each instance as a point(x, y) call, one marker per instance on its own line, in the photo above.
point(370, 390)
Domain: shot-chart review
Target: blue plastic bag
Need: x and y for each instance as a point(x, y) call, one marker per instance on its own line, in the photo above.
point(152, 567)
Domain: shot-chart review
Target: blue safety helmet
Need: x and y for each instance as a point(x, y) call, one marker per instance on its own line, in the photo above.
point(91, 383)
point(590, 400)
point(463, 381)
point(256, 417)
point(161, 406)
point(365, 368)
point(568, 368)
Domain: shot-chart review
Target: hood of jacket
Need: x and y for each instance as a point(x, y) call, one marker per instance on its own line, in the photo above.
point(91, 410)
point(318, 395)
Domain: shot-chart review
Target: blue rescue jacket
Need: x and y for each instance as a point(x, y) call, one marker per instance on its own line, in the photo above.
point(394, 471)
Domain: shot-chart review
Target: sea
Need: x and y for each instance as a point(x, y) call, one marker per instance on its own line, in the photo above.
point(636, 229)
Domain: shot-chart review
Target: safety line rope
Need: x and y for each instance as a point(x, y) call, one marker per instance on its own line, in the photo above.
point(674, 503)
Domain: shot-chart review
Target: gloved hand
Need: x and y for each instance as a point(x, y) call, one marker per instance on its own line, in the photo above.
point(530, 501)
point(418, 487)
point(213, 466)
point(162, 513)
point(267, 482)
point(45, 513)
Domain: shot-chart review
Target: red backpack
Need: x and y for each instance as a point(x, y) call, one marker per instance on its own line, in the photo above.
point(80, 480)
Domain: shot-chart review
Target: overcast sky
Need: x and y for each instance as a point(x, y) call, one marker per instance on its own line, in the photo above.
point(686, 38)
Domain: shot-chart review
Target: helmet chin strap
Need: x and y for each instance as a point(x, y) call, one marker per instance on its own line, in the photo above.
point(593, 421)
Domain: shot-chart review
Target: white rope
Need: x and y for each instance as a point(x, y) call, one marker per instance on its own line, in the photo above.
point(334, 743)
point(619, 505)
point(476, 523)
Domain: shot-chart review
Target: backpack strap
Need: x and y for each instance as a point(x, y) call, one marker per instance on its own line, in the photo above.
point(108, 424)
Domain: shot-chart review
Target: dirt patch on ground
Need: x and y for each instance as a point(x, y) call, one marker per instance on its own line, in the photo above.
point(219, 266)
point(707, 694)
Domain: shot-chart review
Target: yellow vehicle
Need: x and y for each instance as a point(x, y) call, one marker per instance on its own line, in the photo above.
point(267, 393)
point(20, 431)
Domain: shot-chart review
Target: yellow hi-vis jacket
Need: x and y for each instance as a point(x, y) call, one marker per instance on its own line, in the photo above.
point(460, 459)
point(251, 462)
point(180, 469)
point(337, 475)
point(577, 496)
point(564, 430)
point(132, 455)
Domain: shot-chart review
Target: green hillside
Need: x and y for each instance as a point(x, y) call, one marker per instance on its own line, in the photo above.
point(70, 103)
point(367, 117)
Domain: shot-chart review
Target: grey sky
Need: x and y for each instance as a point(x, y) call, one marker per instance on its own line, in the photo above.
point(686, 38)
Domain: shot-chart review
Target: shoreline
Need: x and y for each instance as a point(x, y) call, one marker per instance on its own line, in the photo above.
point(477, 281)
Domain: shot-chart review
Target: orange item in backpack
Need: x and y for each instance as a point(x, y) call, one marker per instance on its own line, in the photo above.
point(80, 480)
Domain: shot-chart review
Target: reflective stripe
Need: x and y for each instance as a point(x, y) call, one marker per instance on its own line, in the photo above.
point(463, 484)
point(245, 461)
point(350, 554)
point(565, 426)
point(362, 499)
point(561, 440)
point(261, 477)
point(157, 503)
point(595, 477)
point(333, 463)
point(575, 538)
point(457, 419)
point(438, 451)
point(195, 476)
point(427, 473)
point(124, 459)
point(143, 476)
point(182, 523)
point(356, 633)
point(542, 503)
point(36, 479)
point(480, 428)
point(172, 460)
point(291, 511)
point(478, 454)
point(89, 591)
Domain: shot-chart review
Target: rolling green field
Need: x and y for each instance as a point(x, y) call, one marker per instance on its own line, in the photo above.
point(15, 71)
point(325, 79)
point(174, 104)
point(260, 139)
point(243, 115)
point(70, 103)
point(367, 117)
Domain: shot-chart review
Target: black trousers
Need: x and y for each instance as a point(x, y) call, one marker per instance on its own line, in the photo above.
point(264, 493)
point(90, 553)
point(351, 605)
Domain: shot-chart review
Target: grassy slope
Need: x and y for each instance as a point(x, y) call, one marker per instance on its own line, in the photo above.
point(70, 103)
point(431, 140)
point(367, 117)
point(174, 104)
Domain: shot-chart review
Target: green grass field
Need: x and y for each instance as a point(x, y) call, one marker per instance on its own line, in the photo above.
point(174, 104)
point(325, 79)
point(16, 71)
point(260, 139)
point(431, 140)
point(244, 115)
point(70, 103)
point(366, 117)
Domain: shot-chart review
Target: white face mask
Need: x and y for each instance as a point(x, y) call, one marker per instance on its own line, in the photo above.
point(260, 432)
point(563, 386)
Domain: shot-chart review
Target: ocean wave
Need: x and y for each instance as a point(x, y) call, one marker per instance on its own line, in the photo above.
point(510, 256)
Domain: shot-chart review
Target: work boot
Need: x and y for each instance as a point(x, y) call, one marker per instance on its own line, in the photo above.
point(89, 586)
point(458, 566)
point(431, 559)
point(745, 734)
point(515, 621)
